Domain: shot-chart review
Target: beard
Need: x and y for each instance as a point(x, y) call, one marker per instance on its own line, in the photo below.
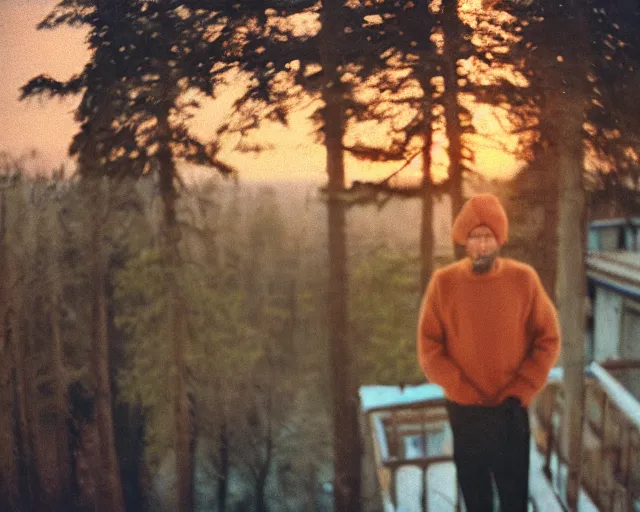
point(482, 264)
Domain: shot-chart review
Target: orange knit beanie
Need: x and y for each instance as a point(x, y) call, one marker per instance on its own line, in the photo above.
point(481, 210)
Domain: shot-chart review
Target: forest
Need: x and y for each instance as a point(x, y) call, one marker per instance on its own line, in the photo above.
point(197, 344)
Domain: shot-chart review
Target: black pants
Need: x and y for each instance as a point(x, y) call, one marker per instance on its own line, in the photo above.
point(491, 441)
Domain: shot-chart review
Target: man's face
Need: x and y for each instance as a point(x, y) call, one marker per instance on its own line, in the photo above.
point(482, 248)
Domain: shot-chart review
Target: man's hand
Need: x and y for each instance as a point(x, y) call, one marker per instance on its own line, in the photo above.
point(483, 397)
point(512, 402)
point(499, 397)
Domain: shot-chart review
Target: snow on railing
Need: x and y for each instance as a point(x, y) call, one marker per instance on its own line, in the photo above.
point(624, 401)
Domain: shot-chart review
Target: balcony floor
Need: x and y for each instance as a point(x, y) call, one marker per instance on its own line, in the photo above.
point(442, 489)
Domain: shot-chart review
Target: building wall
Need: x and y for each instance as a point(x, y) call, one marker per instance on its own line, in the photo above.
point(631, 238)
point(616, 237)
point(610, 239)
point(607, 312)
point(630, 333)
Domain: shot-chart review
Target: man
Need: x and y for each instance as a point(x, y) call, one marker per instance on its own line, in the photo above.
point(488, 334)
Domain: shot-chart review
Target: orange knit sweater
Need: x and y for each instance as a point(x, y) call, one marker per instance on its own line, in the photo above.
point(485, 337)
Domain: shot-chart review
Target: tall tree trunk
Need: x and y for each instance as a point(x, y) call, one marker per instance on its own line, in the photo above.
point(547, 192)
point(28, 478)
point(177, 315)
point(109, 487)
point(571, 286)
point(20, 424)
point(453, 32)
point(135, 471)
point(571, 303)
point(9, 494)
point(426, 234)
point(110, 496)
point(9, 485)
point(426, 228)
point(346, 433)
point(59, 377)
point(548, 238)
point(264, 465)
point(223, 479)
point(566, 94)
point(536, 192)
point(263, 472)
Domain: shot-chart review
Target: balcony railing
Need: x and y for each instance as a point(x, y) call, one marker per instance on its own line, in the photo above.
point(413, 453)
point(413, 447)
point(611, 436)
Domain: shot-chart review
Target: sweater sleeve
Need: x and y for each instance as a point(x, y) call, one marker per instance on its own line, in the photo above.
point(544, 332)
point(436, 364)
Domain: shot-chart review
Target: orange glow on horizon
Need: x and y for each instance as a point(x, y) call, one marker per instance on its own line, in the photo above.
point(294, 151)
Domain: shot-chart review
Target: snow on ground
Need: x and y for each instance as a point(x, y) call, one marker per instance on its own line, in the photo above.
point(374, 397)
point(442, 489)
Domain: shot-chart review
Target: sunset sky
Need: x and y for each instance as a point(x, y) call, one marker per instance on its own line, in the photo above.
point(48, 125)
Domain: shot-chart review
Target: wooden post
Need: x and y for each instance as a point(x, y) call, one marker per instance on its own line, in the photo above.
point(395, 444)
point(424, 433)
point(393, 487)
point(603, 424)
point(425, 489)
point(567, 92)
